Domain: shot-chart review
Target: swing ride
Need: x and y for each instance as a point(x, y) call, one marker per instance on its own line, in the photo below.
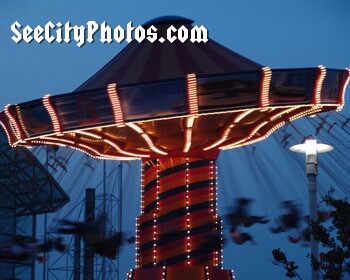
point(175, 107)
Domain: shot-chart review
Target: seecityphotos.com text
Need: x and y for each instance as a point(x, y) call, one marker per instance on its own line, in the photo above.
point(93, 31)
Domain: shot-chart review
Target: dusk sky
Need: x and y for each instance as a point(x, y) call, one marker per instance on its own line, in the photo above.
point(274, 33)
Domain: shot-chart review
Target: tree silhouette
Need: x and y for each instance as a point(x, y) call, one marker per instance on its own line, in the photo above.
point(334, 262)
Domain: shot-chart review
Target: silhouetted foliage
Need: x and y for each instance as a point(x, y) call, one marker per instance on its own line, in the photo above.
point(281, 259)
point(334, 262)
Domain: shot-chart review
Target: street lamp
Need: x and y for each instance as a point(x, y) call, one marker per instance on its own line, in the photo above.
point(311, 148)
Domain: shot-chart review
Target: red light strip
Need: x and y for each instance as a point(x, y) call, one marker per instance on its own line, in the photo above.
point(313, 110)
point(192, 96)
point(257, 128)
point(146, 138)
point(263, 137)
point(109, 157)
point(251, 134)
point(265, 87)
point(90, 134)
point(281, 113)
point(227, 131)
point(87, 147)
point(111, 143)
point(80, 147)
point(14, 124)
point(47, 142)
point(115, 103)
point(188, 133)
point(345, 82)
point(19, 115)
point(115, 146)
point(52, 113)
point(65, 141)
point(318, 84)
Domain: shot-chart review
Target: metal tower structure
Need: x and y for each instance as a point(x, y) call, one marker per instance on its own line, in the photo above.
point(27, 190)
point(78, 263)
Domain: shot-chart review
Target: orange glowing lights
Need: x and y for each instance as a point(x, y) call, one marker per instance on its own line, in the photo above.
point(52, 113)
point(265, 87)
point(116, 107)
point(192, 94)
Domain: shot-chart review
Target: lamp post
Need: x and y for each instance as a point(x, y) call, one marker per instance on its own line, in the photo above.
point(311, 149)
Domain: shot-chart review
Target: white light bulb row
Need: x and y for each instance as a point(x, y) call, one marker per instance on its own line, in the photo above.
point(218, 220)
point(155, 216)
point(142, 191)
point(137, 242)
point(155, 239)
point(188, 216)
point(206, 272)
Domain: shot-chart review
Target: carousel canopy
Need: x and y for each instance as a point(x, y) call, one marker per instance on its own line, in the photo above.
point(174, 99)
point(149, 62)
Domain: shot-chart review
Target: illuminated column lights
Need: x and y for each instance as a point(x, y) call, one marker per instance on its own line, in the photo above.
point(142, 199)
point(142, 191)
point(129, 275)
point(164, 273)
point(188, 216)
point(137, 243)
point(211, 198)
point(218, 218)
point(213, 208)
point(207, 276)
point(155, 217)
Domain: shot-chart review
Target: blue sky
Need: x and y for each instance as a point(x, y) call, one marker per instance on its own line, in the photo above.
point(274, 33)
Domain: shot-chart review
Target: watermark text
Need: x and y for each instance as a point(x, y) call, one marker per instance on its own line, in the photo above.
point(93, 31)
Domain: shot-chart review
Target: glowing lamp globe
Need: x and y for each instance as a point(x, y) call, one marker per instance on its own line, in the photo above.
point(311, 147)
